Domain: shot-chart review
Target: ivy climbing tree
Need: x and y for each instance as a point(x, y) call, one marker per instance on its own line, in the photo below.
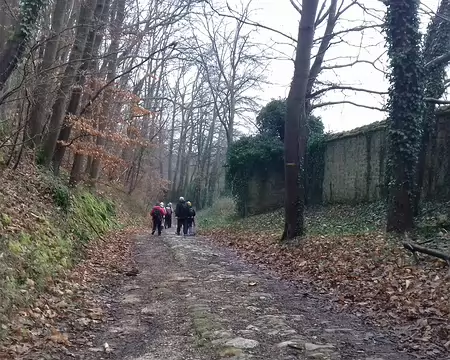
point(15, 47)
point(405, 109)
point(436, 47)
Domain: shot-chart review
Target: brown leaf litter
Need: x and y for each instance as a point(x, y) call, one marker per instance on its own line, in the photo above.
point(365, 274)
point(60, 316)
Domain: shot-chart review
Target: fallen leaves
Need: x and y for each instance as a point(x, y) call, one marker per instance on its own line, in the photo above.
point(59, 338)
point(361, 272)
point(60, 316)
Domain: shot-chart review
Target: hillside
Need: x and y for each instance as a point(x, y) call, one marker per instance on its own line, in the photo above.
point(47, 230)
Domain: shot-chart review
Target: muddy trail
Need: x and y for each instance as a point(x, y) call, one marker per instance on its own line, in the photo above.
point(194, 300)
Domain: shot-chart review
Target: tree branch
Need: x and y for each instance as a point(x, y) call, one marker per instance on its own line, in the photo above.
point(329, 103)
point(316, 66)
point(251, 23)
point(437, 101)
point(341, 87)
point(296, 6)
point(340, 66)
point(171, 45)
point(438, 61)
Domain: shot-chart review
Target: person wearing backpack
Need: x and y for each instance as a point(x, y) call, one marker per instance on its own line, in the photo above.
point(168, 218)
point(191, 219)
point(163, 208)
point(182, 214)
point(157, 215)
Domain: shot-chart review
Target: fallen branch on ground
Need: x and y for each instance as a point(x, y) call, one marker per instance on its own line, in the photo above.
point(416, 248)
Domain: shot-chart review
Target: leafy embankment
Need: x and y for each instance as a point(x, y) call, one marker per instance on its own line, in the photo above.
point(348, 256)
point(60, 318)
point(45, 230)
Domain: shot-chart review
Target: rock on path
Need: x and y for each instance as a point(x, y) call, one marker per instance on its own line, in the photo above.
point(192, 300)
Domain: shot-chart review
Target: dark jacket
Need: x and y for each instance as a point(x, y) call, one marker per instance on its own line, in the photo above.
point(182, 210)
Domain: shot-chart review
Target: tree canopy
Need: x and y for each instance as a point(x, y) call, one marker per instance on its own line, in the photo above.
point(271, 120)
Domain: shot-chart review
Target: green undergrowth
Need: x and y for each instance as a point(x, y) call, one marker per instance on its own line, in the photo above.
point(221, 214)
point(339, 219)
point(320, 220)
point(43, 231)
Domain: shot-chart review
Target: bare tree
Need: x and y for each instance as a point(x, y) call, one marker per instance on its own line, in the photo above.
point(38, 112)
point(87, 8)
point(233, 64)
point(295, 128)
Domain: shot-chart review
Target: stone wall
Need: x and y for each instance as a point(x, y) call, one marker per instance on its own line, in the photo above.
point(355, 164)
point(354, 169)
point(265, 194)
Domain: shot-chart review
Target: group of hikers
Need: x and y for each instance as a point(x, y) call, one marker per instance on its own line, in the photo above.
point(162, 217)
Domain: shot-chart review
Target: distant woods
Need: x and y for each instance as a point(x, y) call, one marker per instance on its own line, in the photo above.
point(142, 97)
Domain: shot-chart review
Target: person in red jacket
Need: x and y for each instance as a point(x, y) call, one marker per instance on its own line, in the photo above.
point(157, 215)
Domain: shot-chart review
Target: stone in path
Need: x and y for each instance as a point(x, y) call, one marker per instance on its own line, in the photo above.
point(242, 343)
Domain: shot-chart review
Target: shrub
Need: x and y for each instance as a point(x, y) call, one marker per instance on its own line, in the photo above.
point(221, 213)
point(252, 156)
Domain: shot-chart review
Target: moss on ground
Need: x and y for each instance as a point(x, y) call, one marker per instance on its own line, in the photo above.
point(39, 243)
point(320, 220)
point(338, 219)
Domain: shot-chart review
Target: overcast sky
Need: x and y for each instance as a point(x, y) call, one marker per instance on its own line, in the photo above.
point(369, 45)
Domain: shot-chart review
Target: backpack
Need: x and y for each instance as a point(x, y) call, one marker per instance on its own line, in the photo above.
point(183, 210)
point(191, 212)
point(169, 211)
point(157, 214)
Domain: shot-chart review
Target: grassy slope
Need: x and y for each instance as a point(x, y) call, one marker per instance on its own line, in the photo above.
point(44, 228)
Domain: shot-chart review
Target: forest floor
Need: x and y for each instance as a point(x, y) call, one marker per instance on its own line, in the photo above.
point(193, 298)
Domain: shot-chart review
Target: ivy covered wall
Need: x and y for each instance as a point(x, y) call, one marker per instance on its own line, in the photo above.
point(350, 167)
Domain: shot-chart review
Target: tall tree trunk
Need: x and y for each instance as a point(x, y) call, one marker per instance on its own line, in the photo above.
point(70, 19)
point(39, 109)
point(59, 107)
point(188, 161)
point(7, 21)
point(79, 158)
point(405, 110)
point(170, 172)
point(296, 128)
point(15, 46)
point(232, 112)
point(207, 157)
point(116, 32)
point(179, 169)
point(181, 144)
point(92, 44)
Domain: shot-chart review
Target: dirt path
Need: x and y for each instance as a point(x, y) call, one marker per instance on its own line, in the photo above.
point(192, 300)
